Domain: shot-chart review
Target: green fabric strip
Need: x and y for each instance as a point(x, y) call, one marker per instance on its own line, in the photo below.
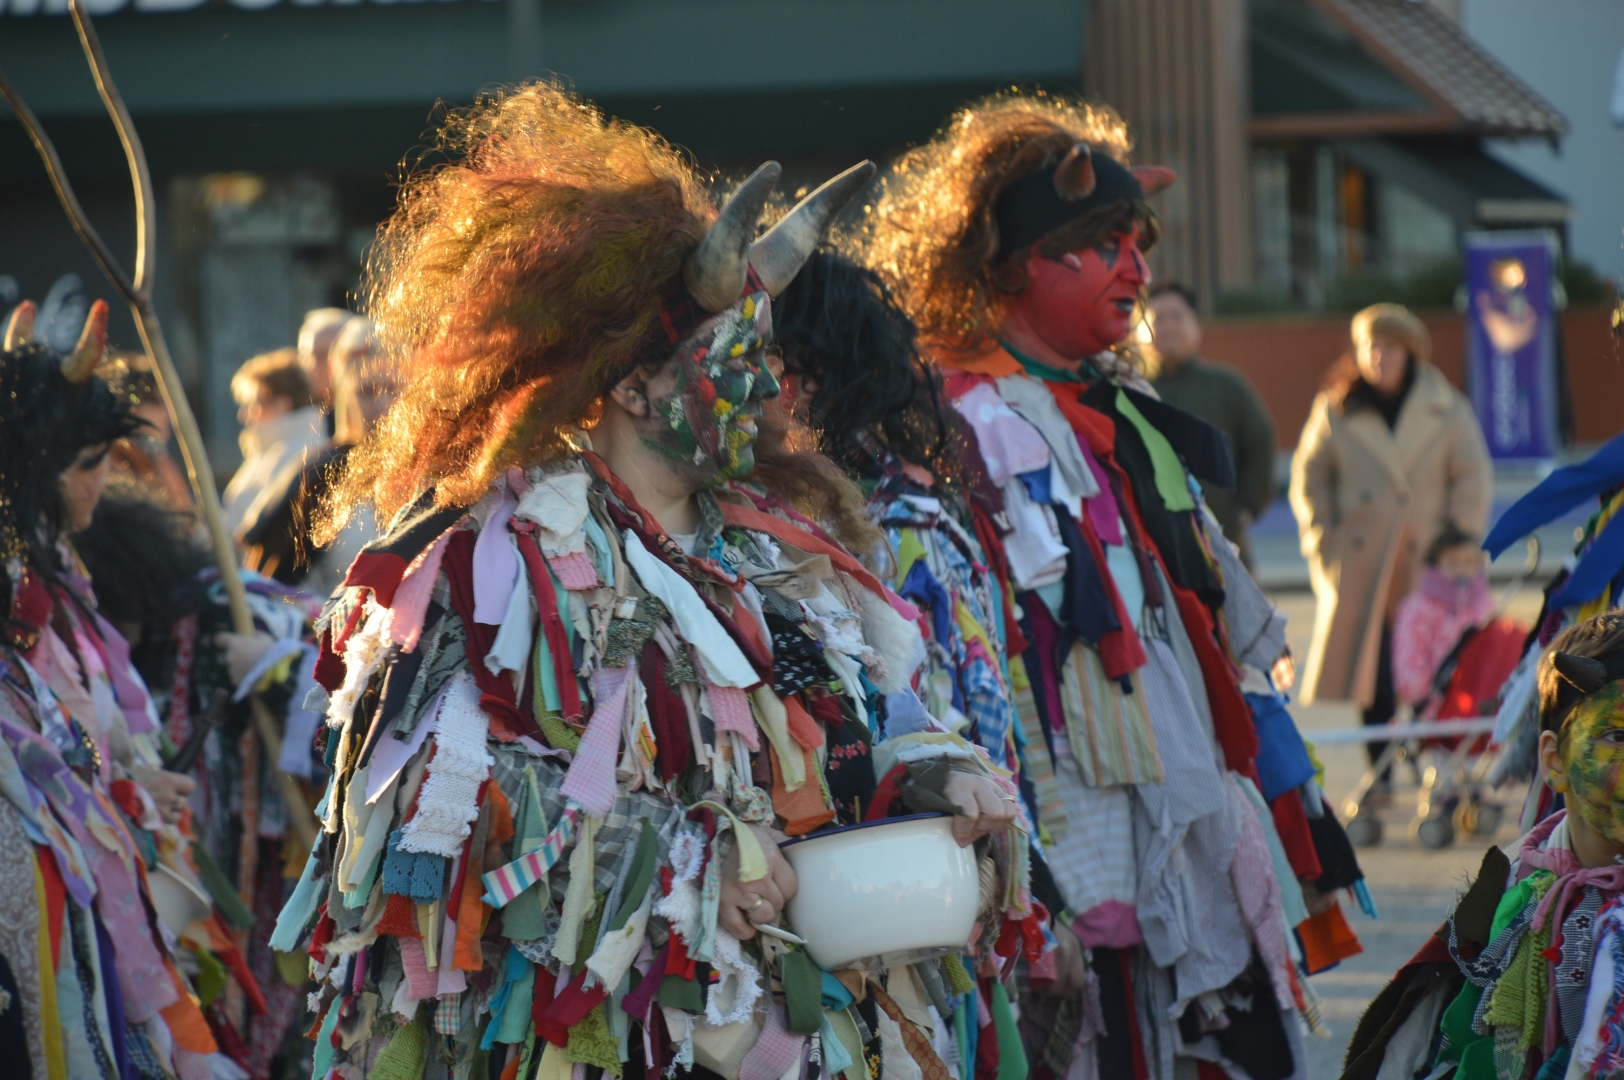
point(679, 993)
point(225, 897)
point(1038, 369)
point(803, 993)
point(1011, 1056)
point(642, 873)
point(1170, 484)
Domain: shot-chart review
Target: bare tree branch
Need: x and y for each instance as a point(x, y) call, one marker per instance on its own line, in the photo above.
point(138, 294)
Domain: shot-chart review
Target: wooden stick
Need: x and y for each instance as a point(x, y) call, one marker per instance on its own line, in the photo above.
point(137, 293)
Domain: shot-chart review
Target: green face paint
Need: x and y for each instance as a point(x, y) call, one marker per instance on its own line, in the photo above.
point(1593, 759)
point(709, 420)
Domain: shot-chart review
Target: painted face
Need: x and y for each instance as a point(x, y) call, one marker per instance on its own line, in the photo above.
point(1082, 302)
point(708, 397)
point(1593, 759)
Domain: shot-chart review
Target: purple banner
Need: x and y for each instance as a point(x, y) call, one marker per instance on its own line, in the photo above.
point(1511, 342)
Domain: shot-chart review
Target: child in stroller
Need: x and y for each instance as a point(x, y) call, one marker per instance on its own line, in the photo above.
point(1450, 658)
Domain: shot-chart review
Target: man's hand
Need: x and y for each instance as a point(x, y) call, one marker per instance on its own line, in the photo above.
point(983, 807)
point(744, 905)
point(169, 790)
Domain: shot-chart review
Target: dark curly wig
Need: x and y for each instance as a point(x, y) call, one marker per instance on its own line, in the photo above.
point(840, 328)
point(143, 560)
point(45, 421)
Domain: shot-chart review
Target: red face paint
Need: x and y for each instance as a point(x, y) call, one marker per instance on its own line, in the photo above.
point(1082, 302)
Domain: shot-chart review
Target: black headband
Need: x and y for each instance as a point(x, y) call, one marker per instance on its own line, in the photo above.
point(1580, 678)
point(1031, 208)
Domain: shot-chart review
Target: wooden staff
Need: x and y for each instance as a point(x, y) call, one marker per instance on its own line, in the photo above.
point(137, 293)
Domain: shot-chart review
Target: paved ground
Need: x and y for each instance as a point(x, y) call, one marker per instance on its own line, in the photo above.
point(1414, 888)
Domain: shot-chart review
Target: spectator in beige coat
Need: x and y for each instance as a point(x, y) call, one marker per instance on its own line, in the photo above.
point(1391, 455)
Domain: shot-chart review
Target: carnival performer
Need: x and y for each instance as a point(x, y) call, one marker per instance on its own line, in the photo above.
point(852, 369)
point(585, 681)
point(1016, 241)
point(94, 828)
point(1527, 976)
point(158, 586)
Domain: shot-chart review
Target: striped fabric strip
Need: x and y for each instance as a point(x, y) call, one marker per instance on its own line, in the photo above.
point(1110, 731)
point(505, 883)
point(1039, 768)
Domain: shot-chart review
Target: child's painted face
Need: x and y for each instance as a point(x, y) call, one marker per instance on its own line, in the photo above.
point(1593, 761)
point(1463, 562)
point(707, 399)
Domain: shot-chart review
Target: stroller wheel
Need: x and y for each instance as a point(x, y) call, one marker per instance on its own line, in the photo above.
point(1435, 833)
point(1364, 832)
point(1467, 816)
point(1488, 819)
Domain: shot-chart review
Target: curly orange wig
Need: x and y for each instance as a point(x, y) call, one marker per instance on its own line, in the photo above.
point(514, 287)
point(933, 232)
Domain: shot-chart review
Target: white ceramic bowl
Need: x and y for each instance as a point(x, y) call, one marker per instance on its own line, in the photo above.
point(882, 894)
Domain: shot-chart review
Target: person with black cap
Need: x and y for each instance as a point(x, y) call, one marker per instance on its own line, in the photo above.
point(1016, 240)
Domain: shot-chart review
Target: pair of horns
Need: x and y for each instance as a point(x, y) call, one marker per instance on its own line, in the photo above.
point(79, 364)
point(1074, 176)
point(1586, 673)
point(716, 272)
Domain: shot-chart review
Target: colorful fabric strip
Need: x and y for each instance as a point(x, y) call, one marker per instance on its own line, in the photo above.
point(505, 883)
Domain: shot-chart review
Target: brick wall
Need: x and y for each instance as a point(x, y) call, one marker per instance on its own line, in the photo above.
point(1286, 356)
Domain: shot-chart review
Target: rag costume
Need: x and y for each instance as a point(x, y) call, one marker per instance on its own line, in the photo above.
point(548, 725)
point(237, 816)
point(1178, 808)
point(104, 912)
point(1525, 979)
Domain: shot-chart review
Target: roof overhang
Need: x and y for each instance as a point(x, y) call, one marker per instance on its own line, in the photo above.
point(1390, 67)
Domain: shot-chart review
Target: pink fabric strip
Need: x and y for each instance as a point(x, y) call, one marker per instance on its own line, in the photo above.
point(575, 570)
point(731, 711)
point(418, 977)
point(590, 783)
point(1571, 877)
point(1102, 508)
point(1111, 925)
point(775, 1051)
point(128, 688)
point(415, 591)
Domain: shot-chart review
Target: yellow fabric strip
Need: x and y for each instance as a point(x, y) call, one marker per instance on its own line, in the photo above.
point(774, 723)
point(752, 860)
point(56, 1056)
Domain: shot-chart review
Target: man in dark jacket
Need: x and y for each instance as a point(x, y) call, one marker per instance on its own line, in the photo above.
point(1221, 396)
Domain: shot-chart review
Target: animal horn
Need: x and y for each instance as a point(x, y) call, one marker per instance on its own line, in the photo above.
point(1584, 672)
point(715, 272)
point(20, 328)
point(1074, 176)
point(1154, 178)
point(778, 255)
point(78, 365)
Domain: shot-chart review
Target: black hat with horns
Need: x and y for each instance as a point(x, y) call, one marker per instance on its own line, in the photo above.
point(732, 257)
point(51, 407)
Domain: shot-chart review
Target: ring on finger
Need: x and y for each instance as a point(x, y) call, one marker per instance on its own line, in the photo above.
point(752, 907)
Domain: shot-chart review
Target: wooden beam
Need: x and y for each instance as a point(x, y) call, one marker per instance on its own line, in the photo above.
point(1345, 124)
